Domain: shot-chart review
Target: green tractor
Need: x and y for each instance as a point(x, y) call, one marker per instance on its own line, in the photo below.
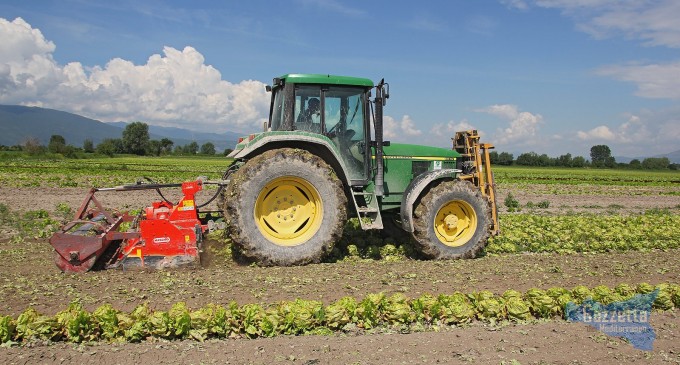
point(322, 158)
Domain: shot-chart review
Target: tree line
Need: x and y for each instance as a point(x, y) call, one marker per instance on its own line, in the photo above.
point(600, 157)
point(135, 140)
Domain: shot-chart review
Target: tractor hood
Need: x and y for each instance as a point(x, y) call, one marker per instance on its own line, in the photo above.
point(418, 152)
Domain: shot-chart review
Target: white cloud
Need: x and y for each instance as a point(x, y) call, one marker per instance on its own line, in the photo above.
point(443, 132)
point(645, 133)
point(517, 4)
point(598, 133)
point(653, 80)
point(523, 127)
point(175, 89)
point(505, 111)
point(654, 22)
point(399, 130)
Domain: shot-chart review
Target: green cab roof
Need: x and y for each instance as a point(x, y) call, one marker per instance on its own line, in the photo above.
point(326, 79)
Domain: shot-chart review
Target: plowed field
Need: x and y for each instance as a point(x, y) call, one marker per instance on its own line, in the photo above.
point(28, 278)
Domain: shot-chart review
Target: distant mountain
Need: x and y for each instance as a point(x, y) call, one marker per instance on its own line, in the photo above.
point(674, 156)
point(17, 123)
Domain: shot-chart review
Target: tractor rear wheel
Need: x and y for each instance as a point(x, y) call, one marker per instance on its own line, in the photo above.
point(285, 207)
point(452, 221)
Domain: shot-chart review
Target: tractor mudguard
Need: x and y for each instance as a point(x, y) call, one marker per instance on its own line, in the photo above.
point(415, 188)
point(293, 139)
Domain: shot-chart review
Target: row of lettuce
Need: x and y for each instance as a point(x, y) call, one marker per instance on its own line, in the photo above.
point(655, 229)
point(76, 324)
point(567, 233)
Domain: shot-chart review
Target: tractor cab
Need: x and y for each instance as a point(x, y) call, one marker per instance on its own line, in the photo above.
point(336, 107)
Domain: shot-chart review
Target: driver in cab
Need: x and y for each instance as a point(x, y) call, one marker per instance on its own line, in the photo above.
point(310, 118)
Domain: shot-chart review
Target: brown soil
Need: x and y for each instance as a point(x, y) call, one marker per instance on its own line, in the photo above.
point(591, 198)
point(28, 277)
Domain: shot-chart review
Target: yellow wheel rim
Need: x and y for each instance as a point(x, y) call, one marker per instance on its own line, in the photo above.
point(288, 211)
point(455, 223)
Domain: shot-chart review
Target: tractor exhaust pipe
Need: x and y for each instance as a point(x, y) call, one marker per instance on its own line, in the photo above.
point(380, 96)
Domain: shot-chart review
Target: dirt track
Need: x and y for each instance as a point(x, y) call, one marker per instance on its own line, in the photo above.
point(29, 278)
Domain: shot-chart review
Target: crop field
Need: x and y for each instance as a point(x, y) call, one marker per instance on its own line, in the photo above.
point(566, 235)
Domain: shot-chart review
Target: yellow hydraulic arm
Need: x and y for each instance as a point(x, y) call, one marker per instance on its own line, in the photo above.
point(476, 166)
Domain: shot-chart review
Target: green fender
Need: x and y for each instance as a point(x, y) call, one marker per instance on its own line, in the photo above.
point(291, 139)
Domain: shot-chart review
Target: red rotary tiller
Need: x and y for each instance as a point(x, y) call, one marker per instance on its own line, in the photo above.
point(161, 235)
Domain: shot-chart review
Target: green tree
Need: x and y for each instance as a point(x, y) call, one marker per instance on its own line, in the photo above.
point(578, 161)
point(528, 159)
point(227, 151)
point(166, 146)
point(191, 148)
point(107, 147)
point(635, 163)
point(545, 160)
point(505, 158)
point(601, 156)
point(136, 138)
point(57, 144)
point(656, 163)
point(564, 160)
point(153, 148)
point(208, 149)
point(88, 146)
point(493, 157)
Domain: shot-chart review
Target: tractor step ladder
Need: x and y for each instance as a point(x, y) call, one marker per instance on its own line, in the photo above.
point(367, 209)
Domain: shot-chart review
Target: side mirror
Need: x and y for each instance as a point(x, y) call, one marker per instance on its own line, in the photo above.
point(268, 88)
point(386, 93)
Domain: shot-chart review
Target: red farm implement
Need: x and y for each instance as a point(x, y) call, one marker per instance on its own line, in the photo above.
point(161, 235)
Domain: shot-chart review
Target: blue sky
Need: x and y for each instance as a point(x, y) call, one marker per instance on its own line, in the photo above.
point(551, 76)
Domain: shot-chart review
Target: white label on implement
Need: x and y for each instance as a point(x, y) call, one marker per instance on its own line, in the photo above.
point(161, 240)
point(436, 165)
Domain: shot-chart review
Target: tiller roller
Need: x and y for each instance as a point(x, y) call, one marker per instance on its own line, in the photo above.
point(161, 235)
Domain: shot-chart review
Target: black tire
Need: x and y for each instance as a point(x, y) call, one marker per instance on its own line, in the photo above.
point(244, 190)
point(435, 199)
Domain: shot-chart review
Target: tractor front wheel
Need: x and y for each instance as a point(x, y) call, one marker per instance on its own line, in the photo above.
point(452, 220)
point(285, 207)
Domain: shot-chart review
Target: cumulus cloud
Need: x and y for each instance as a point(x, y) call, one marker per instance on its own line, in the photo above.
point(653, 22)
point(400, 130)
point(598, 133)
point(175, 88)
point(443, 132)
point(653, 80)
point(523, 126)
point(644, 133)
